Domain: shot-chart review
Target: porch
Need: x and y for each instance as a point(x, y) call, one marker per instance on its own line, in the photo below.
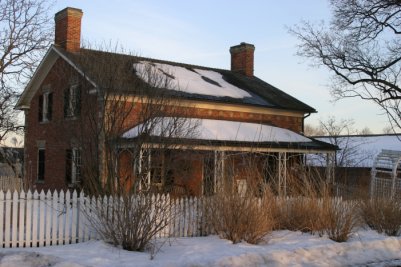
point(218, 154)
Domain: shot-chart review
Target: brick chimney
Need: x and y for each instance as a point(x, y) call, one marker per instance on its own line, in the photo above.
point(68, 29)
point(242, 58)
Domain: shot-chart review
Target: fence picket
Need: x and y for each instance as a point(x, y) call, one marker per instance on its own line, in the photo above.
point(2, 197)
point(28, 228)
point(54, 217)
point(35, 211)
point(80, 219)
point(22, 224)
point(61, 218)
point(42, 219)
point(48, 214)
point(74, 218)
point(67, 217)
point(7, 220)
point(14, 225)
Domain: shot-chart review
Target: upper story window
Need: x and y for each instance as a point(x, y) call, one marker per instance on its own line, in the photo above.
point(45, 107)
point(72, 101)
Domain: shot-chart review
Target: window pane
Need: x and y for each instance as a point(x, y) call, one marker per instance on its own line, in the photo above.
point(41, 164)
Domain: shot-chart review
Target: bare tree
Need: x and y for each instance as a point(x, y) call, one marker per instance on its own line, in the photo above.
point(311, 130)
point(124, 136)
point(339, 133)
point(25, 34)
point(361, 47)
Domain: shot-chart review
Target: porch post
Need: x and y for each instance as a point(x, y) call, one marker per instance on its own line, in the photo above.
point(215, 172)
point(282, 173)
point(330, 167)
point(140, 168)
point(149, 167)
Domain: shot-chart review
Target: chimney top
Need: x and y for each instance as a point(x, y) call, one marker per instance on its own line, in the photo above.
point(242, 58)
point(68, 29)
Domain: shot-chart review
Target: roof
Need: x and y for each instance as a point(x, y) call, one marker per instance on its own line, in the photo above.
point(362, 149)
point(100, 67)
point(224, 132)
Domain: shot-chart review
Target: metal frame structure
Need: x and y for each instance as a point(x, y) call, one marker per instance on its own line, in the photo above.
point(386, 174)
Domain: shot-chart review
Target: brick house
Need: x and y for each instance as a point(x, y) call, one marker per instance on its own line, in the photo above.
point(77, 93)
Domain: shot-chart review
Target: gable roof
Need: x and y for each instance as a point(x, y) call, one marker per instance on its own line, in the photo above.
point(96, 66)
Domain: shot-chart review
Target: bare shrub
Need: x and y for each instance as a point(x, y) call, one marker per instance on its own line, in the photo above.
point(241, 217)
point(338, 218)
point(382, 215)
point(311, 207)
point(297, 214)
point(131, 221)
point(300, 209)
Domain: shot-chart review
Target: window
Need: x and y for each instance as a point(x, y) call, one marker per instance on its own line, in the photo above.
point(73, 166)
point(41, 164)
point(45, 107)
point(72, 101)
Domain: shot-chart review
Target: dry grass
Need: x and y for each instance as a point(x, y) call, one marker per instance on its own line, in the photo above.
point(382, 215)
point(311, 207)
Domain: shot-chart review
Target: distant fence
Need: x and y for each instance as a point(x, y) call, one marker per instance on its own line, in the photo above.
point(44, 219)
point(11, 183)
point(382, 187)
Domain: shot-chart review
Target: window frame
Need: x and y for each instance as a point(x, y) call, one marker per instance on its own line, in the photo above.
point(73, 166)
point(45, 107)
point(72, 101)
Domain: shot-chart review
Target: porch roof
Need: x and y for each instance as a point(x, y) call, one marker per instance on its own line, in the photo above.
point(206, 134)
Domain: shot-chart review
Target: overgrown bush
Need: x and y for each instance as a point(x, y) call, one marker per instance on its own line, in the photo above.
point(239, 217)
point(131, 221)
point(382, 215)
point(312, 207)
point(297, 214)
point(338, 218)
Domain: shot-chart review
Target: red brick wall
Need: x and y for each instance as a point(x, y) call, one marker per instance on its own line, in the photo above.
point(242, 58)
point(58, 133)
point(283, 121)
point(68, 29)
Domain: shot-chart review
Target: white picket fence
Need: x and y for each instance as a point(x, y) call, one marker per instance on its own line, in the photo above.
point(44, 219)
point(10, 183)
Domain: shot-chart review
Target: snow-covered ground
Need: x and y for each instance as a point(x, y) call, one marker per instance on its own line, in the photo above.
point(282, 248)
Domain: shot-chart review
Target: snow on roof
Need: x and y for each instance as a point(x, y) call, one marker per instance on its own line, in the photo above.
point(219, 130)
point(194, 81)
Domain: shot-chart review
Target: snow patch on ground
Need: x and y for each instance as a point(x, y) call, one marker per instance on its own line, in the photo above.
point(281, 248)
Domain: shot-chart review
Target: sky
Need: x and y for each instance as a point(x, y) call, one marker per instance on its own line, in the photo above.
point(201, 33)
